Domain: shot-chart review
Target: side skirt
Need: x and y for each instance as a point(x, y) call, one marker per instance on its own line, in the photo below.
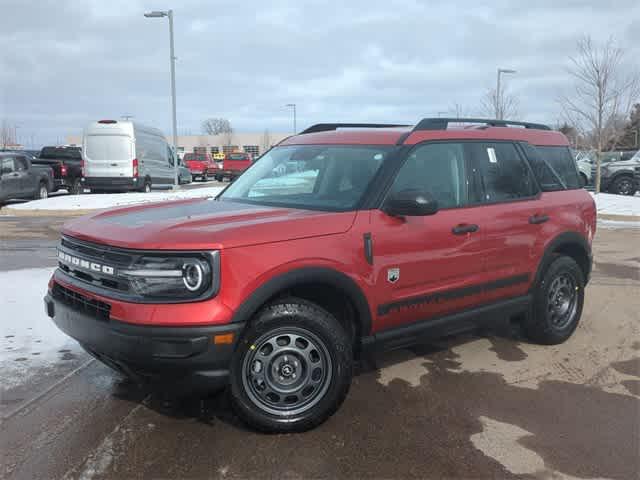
point(485, 316)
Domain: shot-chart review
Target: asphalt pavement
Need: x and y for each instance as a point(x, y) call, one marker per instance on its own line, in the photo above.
point(488, 405)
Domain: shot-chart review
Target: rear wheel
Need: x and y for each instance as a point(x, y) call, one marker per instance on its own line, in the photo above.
point(292, 370)
point(557, 304)
point(623, 185)
point(147, 186)
point(76, 187)
point(42, 192)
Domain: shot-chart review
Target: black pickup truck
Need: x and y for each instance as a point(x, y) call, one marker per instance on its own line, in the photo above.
point(66, 163)
point(19, 178)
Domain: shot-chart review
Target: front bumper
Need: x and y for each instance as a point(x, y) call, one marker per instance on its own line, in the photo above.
point(186, 359)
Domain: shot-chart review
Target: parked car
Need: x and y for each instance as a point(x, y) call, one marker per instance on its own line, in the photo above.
point(201, 165)
point(124, 156)
point(585, 170)
point(384, 237)
point(184, 175)
point(233, 165)
point(616, 174)
point(66, 163)
point(20, 178)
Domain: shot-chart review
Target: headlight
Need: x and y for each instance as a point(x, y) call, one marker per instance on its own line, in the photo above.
point(174, 276)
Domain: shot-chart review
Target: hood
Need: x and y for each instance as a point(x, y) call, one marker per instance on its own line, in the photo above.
point(204, 224)
point(624, 163)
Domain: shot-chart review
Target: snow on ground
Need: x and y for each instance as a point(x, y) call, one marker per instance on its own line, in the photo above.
point(29, 340)
point(608, 204)
point(93, 201)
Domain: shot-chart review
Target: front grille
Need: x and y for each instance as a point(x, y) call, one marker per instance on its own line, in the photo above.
point(100, 254)
point(76, 301)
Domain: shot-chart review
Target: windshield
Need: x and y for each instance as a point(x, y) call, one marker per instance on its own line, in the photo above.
point(318, 177)
point(108, 147)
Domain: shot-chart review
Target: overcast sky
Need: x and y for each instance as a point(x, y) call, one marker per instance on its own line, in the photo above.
point(64, 62)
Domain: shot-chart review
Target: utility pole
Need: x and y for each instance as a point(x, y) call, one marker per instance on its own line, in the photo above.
point(498, 105)
point(293, 106)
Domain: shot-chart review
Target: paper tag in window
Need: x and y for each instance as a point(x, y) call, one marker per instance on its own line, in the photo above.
point(492, 155)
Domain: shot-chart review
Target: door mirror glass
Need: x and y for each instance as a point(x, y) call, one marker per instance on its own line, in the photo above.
point(411, 203)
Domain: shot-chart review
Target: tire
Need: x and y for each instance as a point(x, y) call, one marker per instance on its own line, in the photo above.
point(219, 178)
point(146, 188)
point(76, 187)
point(623, 185)
point(585, 180)
point(557, 303)
point(42, 192)
point(311, 343)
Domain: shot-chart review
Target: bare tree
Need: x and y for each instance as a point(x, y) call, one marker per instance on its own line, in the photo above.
point(6, 135)
point(503, 106)
point(216, 126)
point(266, 141)
point(603, 94)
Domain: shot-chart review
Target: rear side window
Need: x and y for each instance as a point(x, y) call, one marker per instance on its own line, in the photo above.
point(560, 159)
point(60, 153)
point(501, 173)
point(553, 170)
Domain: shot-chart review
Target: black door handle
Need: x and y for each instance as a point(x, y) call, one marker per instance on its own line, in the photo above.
point(538, 219)
point(464, 228)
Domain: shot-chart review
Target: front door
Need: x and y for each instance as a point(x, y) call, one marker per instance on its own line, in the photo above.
point(9, 178)
point(429, 266)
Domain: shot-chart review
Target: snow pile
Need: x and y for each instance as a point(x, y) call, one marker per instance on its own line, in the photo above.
point(94, 201)
point(608, 204)
point(29, 341)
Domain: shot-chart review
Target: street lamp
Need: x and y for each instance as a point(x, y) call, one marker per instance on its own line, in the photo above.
point(293, 106)
point(172, 62)
point(499, 111)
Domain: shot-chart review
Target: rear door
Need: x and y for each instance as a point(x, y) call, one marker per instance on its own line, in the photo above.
point(107, 155)
point(27, 182)
point(512, 213)
point(430, 266)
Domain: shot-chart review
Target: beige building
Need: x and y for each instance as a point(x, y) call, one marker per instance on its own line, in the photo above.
point(253, 143)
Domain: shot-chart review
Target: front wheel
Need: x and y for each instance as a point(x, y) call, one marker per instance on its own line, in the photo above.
point(623, 186)
point(293, 368)
point(557, 303)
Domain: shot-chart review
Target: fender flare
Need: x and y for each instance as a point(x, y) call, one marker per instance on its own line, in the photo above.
point(563, 240)
point(328, 276)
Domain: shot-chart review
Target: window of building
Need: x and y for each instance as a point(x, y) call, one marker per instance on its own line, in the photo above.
point(200, 150)
point(214, 150)
point(229, 148)
point(252, 150)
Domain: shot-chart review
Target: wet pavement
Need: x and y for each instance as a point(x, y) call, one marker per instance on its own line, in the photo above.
point(488, 405)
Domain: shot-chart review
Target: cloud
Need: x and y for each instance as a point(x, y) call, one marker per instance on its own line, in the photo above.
point(64, 63)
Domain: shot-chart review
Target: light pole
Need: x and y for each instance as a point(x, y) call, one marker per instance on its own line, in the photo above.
point(293, 106)
point(172, 62)
point(499, 109)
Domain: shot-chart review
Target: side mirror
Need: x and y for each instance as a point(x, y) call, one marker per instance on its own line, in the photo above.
point(410, 203)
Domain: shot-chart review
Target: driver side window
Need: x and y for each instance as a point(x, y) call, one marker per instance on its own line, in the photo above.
point(438, 169)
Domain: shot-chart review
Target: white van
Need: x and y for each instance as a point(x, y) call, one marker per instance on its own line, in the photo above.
point(124, 155)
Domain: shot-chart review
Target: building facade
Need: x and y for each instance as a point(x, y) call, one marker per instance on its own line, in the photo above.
point(253, 143)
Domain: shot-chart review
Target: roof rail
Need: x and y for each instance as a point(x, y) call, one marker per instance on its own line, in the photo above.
point(443, 123)
point(325, 127)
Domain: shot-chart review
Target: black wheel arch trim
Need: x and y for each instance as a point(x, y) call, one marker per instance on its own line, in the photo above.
point(566, 239)
point(300, 276)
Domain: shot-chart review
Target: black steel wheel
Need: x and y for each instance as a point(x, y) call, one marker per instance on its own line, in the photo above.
point(557, 303)
point(292, 369)
point(624, 185)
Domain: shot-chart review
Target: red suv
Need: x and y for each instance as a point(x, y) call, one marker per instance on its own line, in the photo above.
point(201, 165)
point(374, 236)
point(233, 165)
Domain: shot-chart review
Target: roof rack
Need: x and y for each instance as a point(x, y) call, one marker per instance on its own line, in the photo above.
point(443, 123)
point(325, 127)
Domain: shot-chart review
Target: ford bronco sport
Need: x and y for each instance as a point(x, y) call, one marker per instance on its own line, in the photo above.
point(383, 236)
